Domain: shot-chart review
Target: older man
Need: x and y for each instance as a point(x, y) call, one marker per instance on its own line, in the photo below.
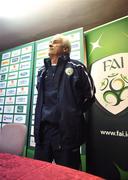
point(65, 92)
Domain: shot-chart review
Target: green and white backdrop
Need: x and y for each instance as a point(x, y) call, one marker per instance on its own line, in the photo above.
point(15, 84)
point(107, 59)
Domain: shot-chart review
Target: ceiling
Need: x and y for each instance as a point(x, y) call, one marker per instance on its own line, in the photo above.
point(57, 16)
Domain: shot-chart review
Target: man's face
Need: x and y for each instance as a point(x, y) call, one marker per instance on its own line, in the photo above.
point(56, 47)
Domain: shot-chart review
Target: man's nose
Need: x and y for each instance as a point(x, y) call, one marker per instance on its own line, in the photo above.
point(50, 45)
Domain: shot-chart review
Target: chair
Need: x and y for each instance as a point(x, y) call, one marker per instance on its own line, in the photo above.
point(12, 138)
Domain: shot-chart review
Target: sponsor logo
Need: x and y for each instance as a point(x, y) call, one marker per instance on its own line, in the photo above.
point(27, 49)
point(24, 73)
point(11, 91)
point(2, 92)
point(1, 109)
point(2, 101)
point(39, 63)
point(15, 60)
point(15, 53)
point(14, 67)
point(43, 53)
point(74, 37)
point(26, 57)
point(12, 83)
point(8, 109)
point(110, 76)
point(0, 117)
point(6, 55)
point(20, 109)
point(9, 100)
point(75, 55)
point(75, 45)
point(2, 84)
point(21, 100)
point(19, 118)
point(23, 82)
point(3, 77)
point(25, 65)
point(12, 75)
point(7, 118)
point(4, 70)
point(43, 45)
point(22, 90)
point(5, 62)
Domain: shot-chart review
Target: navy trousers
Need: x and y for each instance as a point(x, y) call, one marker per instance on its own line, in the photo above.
point(51, 150)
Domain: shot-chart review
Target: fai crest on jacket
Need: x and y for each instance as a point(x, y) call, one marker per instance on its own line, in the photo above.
point(110, 76)
point(69, 71)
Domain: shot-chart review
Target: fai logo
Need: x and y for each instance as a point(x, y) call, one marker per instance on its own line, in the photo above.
point(110, 76)
point(69, 71)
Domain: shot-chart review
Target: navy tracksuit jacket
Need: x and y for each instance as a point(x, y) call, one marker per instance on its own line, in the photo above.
point(75, 94)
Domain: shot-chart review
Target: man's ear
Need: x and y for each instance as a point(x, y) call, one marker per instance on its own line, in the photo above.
point(66, 50)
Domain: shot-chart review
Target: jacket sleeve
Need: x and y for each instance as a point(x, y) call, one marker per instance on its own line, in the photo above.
point(39, 74)
point(87, 88)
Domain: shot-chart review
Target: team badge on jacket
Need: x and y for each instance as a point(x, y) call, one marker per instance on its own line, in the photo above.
point(69, 71)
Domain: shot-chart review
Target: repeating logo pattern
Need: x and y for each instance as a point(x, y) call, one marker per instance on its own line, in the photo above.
point(15, 75)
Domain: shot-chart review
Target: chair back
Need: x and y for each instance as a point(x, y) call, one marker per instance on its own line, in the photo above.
point(12, 138)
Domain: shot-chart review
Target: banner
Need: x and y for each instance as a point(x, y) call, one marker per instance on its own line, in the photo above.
point(107, 57)
point(15, 84)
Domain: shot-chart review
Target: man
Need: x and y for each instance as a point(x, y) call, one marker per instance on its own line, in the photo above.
point(65, 92)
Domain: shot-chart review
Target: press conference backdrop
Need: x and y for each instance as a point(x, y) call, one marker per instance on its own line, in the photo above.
point(107, 58)
point(15, 84)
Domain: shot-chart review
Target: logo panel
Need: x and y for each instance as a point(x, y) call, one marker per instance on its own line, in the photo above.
point(110, 76)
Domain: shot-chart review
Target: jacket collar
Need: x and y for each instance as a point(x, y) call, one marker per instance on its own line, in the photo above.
point(62, 59)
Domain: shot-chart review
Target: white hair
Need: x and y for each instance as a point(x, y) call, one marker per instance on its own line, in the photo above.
point(65, 41)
